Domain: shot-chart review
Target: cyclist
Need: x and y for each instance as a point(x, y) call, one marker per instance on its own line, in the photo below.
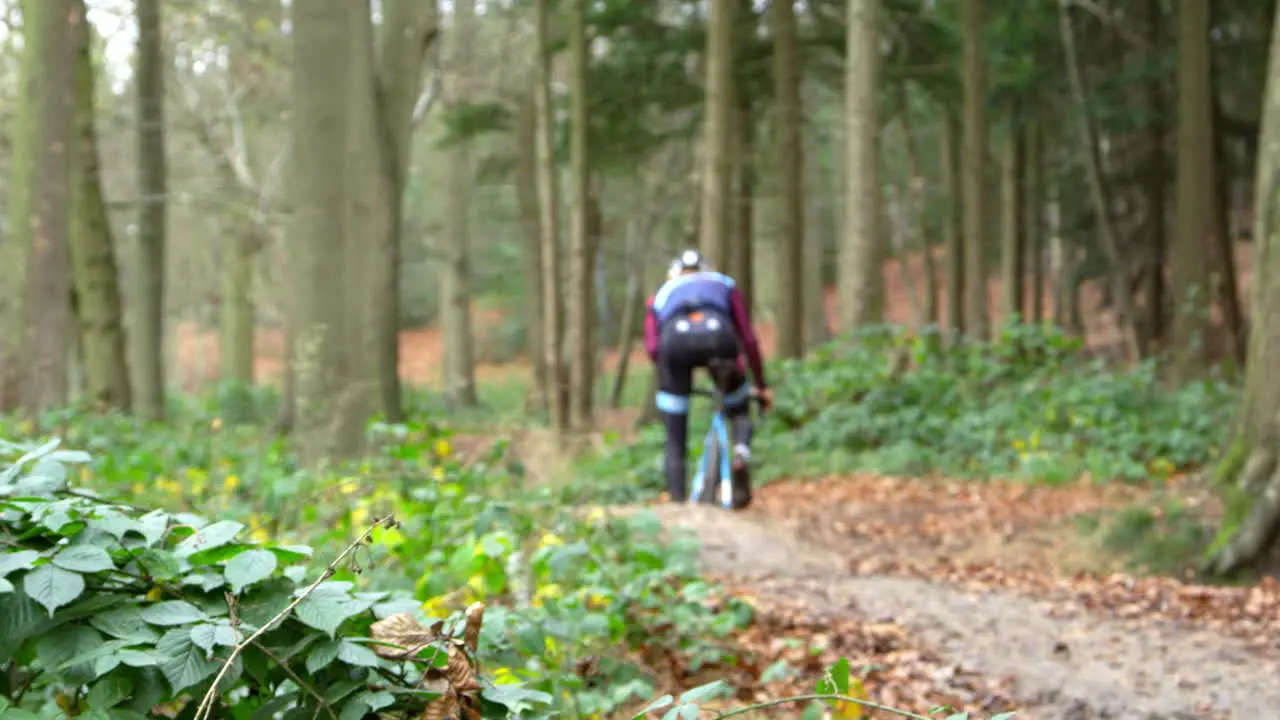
point(699, 319)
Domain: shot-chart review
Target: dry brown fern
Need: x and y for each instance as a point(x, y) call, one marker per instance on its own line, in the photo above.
point(456, 682)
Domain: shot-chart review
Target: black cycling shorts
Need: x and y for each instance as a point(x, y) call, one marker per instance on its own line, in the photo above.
point(699, 339)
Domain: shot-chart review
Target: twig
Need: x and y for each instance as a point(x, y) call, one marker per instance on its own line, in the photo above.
point(206, 704)
point(284, 665)
point(827, 696)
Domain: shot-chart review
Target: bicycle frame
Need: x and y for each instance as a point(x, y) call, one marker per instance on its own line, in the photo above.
point(717, 433)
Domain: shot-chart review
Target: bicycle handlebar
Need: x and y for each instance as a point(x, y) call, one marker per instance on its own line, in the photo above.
point(710, 393)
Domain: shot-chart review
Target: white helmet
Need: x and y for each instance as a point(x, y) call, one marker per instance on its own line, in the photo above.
point(688, 261)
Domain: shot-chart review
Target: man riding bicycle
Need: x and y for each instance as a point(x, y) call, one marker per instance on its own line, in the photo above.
point(698, 319)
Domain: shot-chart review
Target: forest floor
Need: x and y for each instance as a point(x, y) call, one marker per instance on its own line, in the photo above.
point(983, 595)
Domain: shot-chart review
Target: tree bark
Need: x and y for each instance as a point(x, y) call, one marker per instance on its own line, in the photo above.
point(1011, 221)
point(915, 203)
point(1033, 217)
point(323, 57)
point(549, 216)
point(49, 320)
point(789, 147)
point(455, 280)
point(526, 185)
point(581, 252)
point(146, 332)
point(1250, 467)
point(1188, 263)
point(93, 258)
point(743, 266)
point(1154, 187)
point(952, 224)
point(861, 277)
point(718, 128)
point(973, 152)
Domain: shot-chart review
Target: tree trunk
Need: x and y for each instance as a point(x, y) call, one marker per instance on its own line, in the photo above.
point(146, 332)
point(1188, 263)
point(789, 326)
point(548, 204)
point(952, 227)
point(1227, 293)
point(93, 257)
point(1033, 217)
point(455, 291)
point(743, 267)
point(48, 307)
point(581, 307)
point(718, 126)
point(817, 230)
point(322, 50)
point(915, 203)
point(861, 277)
point(526, 185)
point(1250, 460)
point(1154, 187)
point(630, 311)
point(409, 29)
point(1097, 188)
point(973, 152)
point(1011, 221)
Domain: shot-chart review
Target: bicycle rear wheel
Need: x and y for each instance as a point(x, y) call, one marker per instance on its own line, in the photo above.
point(741, 482)
point(709, 492)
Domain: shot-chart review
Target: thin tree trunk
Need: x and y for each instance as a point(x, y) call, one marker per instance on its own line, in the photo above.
point(455, 291)
point(1097, 187)
point(743, 267)
point(630, 312)
point(1154, 186)
point(790, 158)
point(580, 246)
point(718, 126)
point(93, 259)
point(147, 329)
point(526, 186)
point(1033, 217)
point(1228, 293)
point(953, 231)
point(861, 276)
point(973, 152)
point(1011, 221)
point(817, 230)
point(915, 202)
point(548, 203)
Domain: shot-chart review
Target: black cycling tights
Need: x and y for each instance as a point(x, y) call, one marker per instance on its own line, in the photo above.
point(677, 427)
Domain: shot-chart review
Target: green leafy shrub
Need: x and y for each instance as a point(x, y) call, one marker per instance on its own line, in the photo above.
point(1028, 404)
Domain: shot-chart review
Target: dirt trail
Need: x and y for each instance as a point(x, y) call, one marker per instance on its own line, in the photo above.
point(1065, 664)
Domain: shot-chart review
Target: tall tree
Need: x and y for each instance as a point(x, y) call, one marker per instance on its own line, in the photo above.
point(1012, 161)
point(790, 153)
point(717, 134)
point(525, 150)
point(146, 332)
point(973, 154)
point(455, 281)
point(861, 277)
point(1251, 460)
point(322, 56)
point(549, 216)
point(93, 258)
point(1189, 261)
point(581, 306)
point(952, 221)
point(48, 309)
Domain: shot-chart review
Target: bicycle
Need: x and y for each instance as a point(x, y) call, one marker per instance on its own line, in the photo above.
point(714, 481)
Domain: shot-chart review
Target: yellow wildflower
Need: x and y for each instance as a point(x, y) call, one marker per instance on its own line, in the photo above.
point(259, 535)
point(435, 608)
point(349, 487)
point(85, 474)
point(437, 473)
point(477, 585)
point(216, 423)
point(504, 676)
point(26, 427)
point(442, 448)
point(359, 514)
point(550, 540)
point(230, 483)
point(154, 593)
point(550, 591)
point(594, 516)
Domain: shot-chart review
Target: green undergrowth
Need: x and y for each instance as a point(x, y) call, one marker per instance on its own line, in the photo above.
point(1028, 405)
point(1165, 536)
point(126, 570)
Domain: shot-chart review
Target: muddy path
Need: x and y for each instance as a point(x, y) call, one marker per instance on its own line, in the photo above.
point(1070, 649)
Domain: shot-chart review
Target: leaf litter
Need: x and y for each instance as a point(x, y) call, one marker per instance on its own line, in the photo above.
point(899, 576)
